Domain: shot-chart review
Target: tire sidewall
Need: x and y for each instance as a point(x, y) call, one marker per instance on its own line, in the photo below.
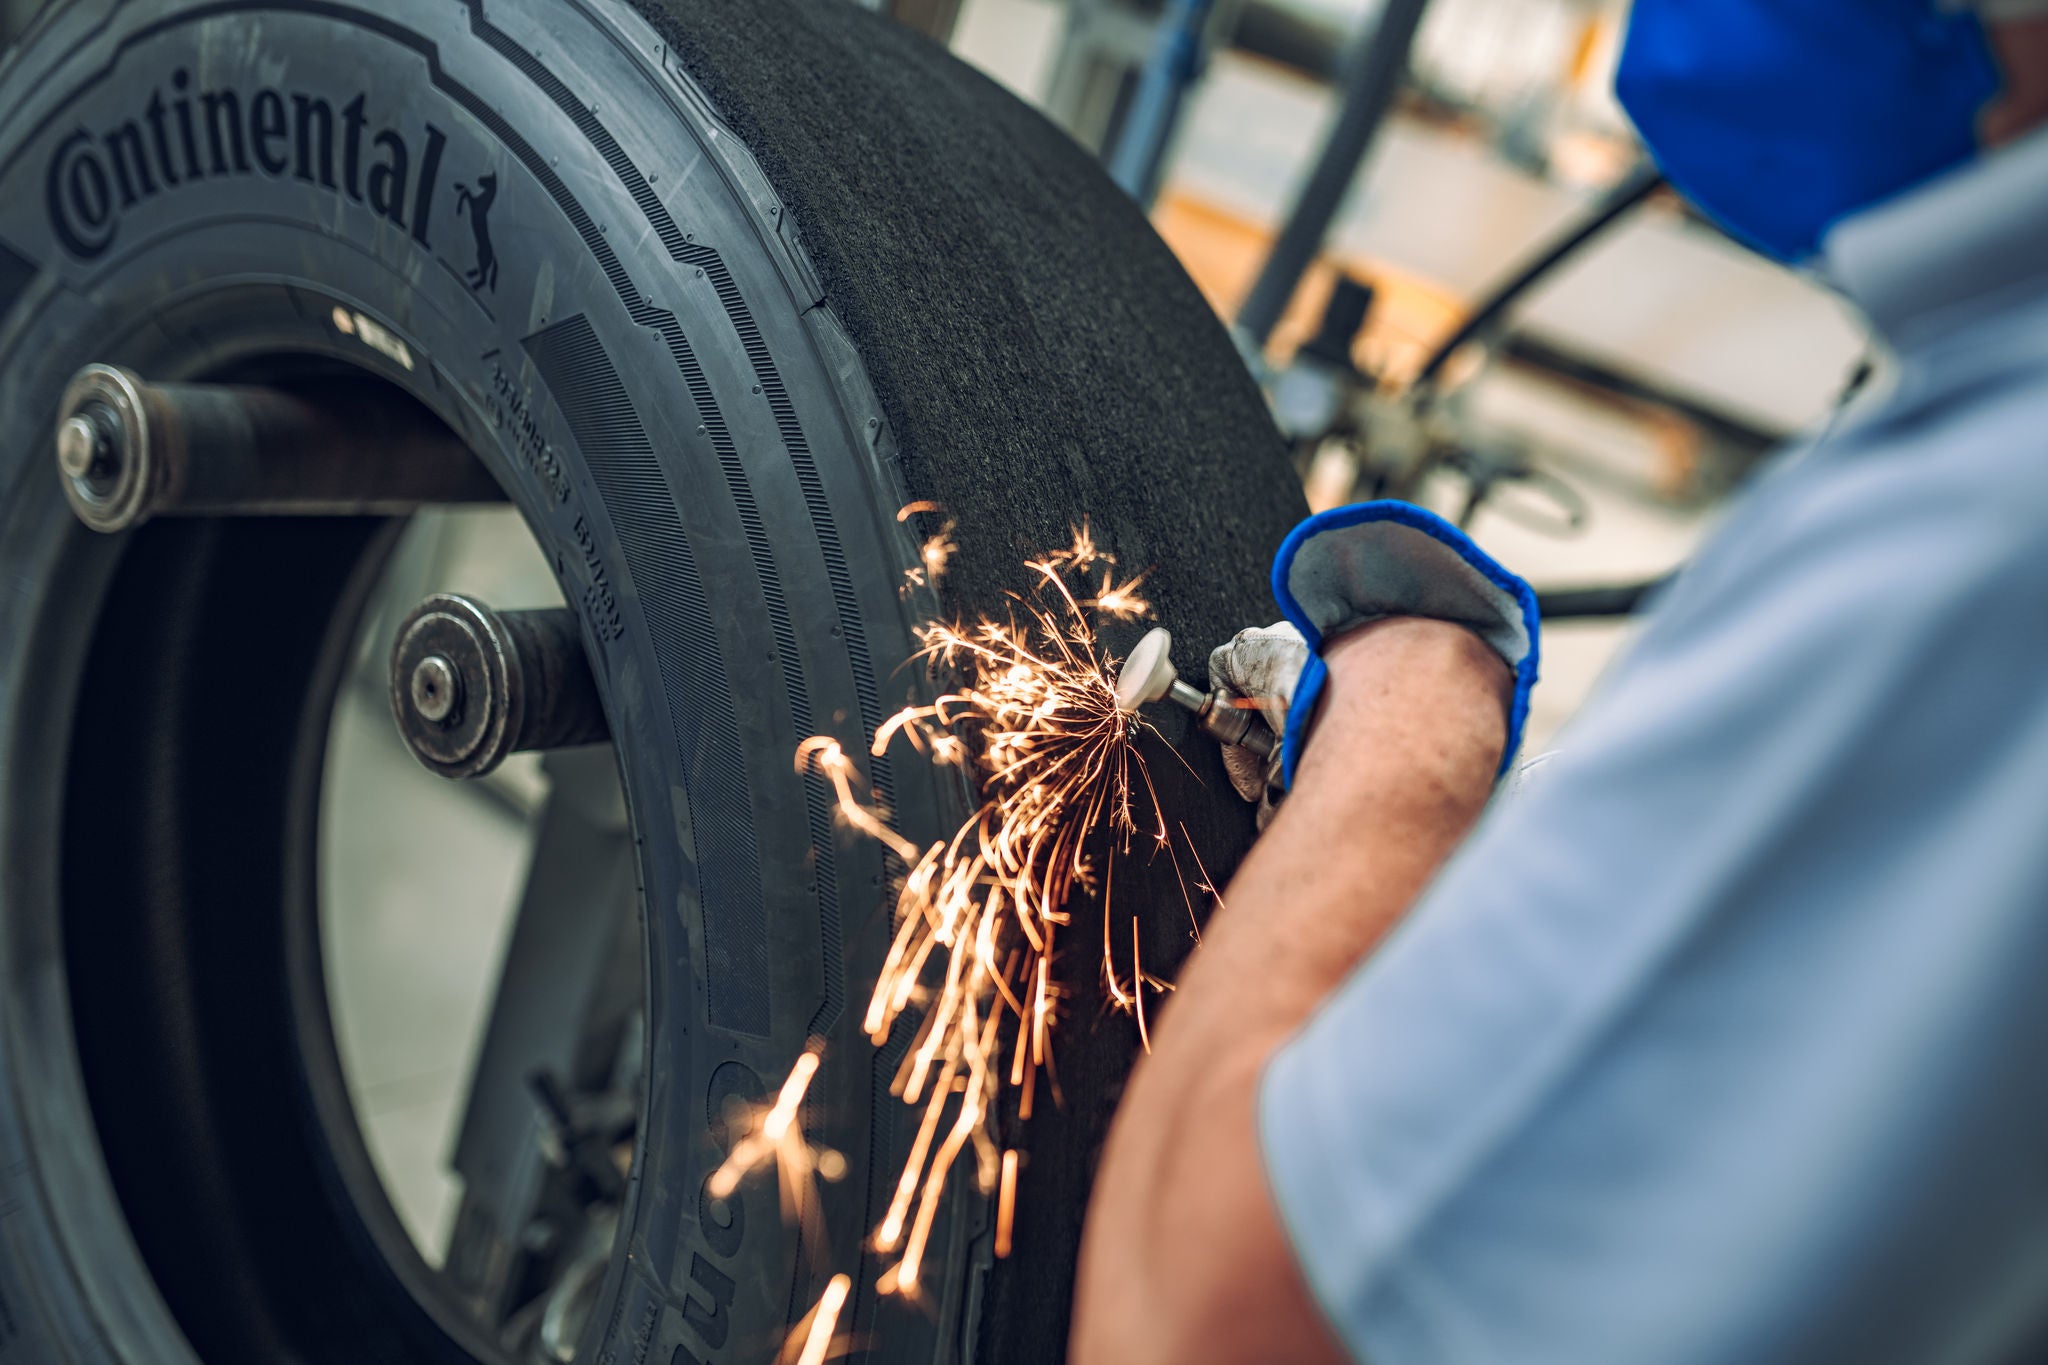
point(570, 225)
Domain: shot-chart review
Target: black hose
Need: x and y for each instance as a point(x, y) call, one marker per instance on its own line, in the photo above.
point(1620, 599)
point(1633, 188)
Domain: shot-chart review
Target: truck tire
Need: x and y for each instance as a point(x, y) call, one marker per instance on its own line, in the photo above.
point(712, 287)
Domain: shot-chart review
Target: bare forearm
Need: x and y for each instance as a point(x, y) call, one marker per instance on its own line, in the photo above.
point(1404, 756)
point(1403, 760)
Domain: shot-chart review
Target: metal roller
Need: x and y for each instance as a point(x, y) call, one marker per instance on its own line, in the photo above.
point(128, 450)
point(471, 686)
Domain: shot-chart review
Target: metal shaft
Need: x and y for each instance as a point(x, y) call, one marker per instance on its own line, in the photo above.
point(1374, 71)
point(1174, 67)
point(471, 686)
point(1222, 721)
point(1632, 189)
point(128, 450)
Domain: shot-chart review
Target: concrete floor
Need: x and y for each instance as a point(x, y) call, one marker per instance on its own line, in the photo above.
point(418, 889)
point(419, 881)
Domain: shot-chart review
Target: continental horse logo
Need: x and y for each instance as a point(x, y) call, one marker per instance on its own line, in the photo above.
point(476, 206)
point(183, 136)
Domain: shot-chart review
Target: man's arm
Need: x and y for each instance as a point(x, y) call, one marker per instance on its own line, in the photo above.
point(1184, 1258)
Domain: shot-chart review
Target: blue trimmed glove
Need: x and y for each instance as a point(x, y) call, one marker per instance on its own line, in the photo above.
point(1351, 565)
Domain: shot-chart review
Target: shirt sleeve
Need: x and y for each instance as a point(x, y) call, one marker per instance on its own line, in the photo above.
point(1721, 1045)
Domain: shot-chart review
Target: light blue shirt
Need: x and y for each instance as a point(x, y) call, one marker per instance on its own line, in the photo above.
point(1728, 1043)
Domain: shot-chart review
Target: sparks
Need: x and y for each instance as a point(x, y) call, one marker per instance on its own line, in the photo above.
point(811, 1340)
point(938, 548)
point(1121, 601)
point(1006, 1205)
point(774, 1135)
point(1083, 553)
point(969, 972)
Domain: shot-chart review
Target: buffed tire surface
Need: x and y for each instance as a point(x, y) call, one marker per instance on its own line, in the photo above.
point(713, 288)
point(1041, 356)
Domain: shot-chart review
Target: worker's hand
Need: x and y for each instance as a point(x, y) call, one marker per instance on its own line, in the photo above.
point(1261, 663)
point(1343, 568)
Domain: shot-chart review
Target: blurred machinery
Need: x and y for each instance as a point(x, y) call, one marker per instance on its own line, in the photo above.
point(933, 17)
point(1104, 49)
point(1394, 443)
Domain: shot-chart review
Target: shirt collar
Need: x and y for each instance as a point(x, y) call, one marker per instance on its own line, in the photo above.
point(1963, 245)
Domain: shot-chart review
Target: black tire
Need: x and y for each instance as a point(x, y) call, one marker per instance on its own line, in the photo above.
point(764, 271)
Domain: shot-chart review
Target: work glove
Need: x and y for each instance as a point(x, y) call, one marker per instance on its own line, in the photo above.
point(1352, 565)
point(1262, 663)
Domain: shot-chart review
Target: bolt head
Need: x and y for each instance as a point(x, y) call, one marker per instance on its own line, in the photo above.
point(81, 448)
point(436, 689)
point(105, 464)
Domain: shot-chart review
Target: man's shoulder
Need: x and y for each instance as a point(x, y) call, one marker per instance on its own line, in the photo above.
point(1986, 421)
point(1927, 493)
point(1907, 552)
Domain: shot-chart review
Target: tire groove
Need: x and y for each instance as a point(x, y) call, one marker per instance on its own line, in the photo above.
point(845, 601)
point(696, 685)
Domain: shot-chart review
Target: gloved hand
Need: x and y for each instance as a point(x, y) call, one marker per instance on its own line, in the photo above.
point(1352, 565)
point(1261, 662)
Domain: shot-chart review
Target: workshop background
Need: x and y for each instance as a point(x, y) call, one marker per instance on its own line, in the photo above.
point(1609, 417)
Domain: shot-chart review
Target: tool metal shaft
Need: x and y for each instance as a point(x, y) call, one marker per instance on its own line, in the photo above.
point(1223, 721)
